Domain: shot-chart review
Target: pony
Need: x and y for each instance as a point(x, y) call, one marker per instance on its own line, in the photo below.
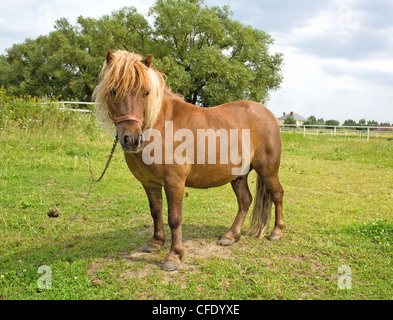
point(133, 101)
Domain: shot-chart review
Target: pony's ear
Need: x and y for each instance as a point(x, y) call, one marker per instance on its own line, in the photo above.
point(148, 61)
point(109, 57)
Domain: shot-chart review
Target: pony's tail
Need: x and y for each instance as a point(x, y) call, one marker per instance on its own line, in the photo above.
point(261, 212)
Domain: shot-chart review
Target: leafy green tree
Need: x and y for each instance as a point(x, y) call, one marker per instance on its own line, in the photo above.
point(362, 122)
point(372, 123)
point(349, 123)
point(332, 123)
point(311, 120)
point(208, 57)
point(290, 120)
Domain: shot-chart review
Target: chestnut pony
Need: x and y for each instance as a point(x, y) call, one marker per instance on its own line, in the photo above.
point(132, 98)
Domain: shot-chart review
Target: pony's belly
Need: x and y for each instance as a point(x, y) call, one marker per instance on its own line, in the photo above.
point(209, 177)
point(207, 184)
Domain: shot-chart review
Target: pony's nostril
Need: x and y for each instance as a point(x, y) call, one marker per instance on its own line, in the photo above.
point(126, 140)
point(132, 142)
point(137, 141)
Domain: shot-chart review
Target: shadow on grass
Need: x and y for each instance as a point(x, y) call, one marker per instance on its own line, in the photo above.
point(113, 244)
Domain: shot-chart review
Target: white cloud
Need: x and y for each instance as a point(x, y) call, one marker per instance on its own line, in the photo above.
point(336, 66)
point(21, 19)
point(310, 89)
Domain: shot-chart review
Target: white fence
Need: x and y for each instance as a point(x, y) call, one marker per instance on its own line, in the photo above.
point(347, 131)
point(69, 105)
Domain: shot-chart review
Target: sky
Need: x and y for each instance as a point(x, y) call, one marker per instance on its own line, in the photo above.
point(338, 54)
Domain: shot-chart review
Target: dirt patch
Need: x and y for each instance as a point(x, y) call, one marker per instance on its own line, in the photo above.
point(146, 271)
point(94, 268)
point(202, 249)
point(194, 250)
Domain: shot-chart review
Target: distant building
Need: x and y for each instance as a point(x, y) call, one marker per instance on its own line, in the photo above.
point(299, 119)
point(385, 128)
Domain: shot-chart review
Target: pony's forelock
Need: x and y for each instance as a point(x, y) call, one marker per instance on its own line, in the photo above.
point(126, 74)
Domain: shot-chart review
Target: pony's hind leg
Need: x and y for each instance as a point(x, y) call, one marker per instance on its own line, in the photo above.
point(271, 191)
point(155, 203)
point(276, 192)
point(244, 199)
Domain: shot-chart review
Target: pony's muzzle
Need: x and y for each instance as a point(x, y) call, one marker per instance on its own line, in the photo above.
point(132, 143)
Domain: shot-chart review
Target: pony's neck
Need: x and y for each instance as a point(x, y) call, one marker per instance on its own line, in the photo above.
point(170, 95)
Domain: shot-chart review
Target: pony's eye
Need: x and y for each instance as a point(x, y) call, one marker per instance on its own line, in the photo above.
point(147, 93)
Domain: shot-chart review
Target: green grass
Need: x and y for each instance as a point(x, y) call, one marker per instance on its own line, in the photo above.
point(338, 211)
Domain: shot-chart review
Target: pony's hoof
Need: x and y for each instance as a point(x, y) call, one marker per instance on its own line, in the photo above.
point(226, 242)
point(170, 266)
point(275, 237)
point(149, 249)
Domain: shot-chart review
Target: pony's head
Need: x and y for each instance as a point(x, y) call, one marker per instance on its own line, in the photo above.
point(129, 97)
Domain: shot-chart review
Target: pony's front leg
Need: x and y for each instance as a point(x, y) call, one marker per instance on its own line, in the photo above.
point(174, 193)
point(155, 203)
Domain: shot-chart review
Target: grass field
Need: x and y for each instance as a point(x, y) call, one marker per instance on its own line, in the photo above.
point(338, 210)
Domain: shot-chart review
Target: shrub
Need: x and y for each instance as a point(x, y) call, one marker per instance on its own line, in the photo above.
point(27, 112)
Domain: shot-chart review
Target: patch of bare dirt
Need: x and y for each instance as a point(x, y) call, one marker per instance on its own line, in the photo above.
point(202, 249)
point(194, 250)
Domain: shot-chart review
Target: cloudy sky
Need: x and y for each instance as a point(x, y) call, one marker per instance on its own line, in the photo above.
point(338, 54)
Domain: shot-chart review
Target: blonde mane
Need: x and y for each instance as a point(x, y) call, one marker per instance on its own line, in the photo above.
point(127, 74)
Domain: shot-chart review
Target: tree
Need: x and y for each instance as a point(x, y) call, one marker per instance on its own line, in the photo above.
point(209, 58)
point(349, 123)
point(290, 120)
point(372, 123)
point(332, 123)
point(68, 60)
point(362, 122)
point(311, 121)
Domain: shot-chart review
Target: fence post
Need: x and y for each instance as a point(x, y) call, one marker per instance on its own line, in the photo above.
point(304, 131)
point(368, 133)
